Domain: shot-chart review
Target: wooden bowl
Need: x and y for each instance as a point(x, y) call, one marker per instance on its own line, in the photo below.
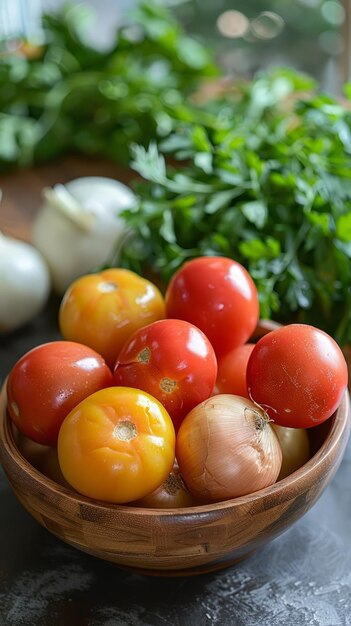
point(176, 541)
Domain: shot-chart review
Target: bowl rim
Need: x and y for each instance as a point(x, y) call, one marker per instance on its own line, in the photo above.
point(340, 428)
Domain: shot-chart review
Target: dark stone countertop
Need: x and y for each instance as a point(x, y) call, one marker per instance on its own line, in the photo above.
point(303, 578)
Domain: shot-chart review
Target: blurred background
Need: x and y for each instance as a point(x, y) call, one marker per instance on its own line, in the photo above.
point(309, 35)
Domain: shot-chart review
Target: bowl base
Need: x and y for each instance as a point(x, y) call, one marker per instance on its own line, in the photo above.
point(193, 571)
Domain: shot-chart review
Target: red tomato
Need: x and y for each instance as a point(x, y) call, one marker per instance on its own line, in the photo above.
point(102, 310)
point(298, 374)
point(232, 371)
point(117, 445)
point(218, 296)
point(48, 381)
point(173, 361)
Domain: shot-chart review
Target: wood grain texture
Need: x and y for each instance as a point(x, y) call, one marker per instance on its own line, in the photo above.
point(182, 541)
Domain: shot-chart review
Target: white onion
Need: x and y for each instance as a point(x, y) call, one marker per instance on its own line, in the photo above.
point(226, 448)
point(79, 226)
point(24, 283)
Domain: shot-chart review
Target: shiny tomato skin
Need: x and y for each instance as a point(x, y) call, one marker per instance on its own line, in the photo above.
point(48, 381)
point(298, 374)
point(172, 360)
point(102, 310)
point(217, 295)
point(117, 445)
point(231, 376)
point(295, 446)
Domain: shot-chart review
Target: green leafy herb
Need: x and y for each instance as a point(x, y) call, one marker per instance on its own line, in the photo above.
point(268, 184)
point(71, 97)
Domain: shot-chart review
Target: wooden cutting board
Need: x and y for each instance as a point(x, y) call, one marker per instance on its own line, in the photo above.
point(21, 189)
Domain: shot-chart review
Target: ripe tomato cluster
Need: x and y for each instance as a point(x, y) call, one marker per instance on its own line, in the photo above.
point(142, 382)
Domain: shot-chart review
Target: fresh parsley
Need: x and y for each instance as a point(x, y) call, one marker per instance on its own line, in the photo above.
point(68, 97)
point(268, 184)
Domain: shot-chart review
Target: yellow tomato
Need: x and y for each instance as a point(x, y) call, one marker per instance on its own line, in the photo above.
point(102, 310)
point(117, 445)
point(295, 447)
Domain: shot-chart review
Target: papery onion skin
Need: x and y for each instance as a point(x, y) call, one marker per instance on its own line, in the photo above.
point(173, 493)
point(226, 448)
point(295, 446)
point(24, 283)
point(75, 244)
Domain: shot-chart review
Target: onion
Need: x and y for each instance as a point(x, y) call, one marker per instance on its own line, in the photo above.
point(24, 283)
point(173, 493)
point(226, 448)
point(79, 227)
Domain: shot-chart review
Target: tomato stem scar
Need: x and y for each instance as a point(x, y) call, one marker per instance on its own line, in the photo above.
point(168, 385)
point(145, 355)
point(125, 431)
